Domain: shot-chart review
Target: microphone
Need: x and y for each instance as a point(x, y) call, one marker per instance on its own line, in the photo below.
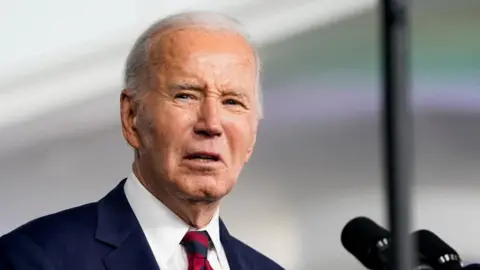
point(473, 266)
point(438, 253)
point(369, 243)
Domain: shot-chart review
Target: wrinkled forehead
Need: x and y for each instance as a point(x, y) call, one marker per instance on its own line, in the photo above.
point(182, 44)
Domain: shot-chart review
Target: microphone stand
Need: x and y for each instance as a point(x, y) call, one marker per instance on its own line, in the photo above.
point(397, 129)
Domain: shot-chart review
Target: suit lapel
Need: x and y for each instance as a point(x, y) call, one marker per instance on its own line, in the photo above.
point(234, 257)
point(133, 253)
point(118, 227)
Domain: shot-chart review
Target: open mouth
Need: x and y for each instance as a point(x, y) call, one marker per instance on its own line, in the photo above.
point(203, 156)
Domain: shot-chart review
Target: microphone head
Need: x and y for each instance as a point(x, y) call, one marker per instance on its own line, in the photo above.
point(438, 253)
point(361, 237)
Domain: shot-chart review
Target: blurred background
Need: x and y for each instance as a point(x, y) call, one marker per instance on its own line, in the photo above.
point(318, 160)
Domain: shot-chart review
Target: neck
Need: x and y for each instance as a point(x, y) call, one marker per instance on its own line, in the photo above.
point(195, 213)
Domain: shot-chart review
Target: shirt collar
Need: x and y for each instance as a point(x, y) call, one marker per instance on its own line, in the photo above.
point(164, 227)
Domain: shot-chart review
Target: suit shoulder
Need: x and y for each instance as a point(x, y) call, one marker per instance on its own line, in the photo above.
point(255, 256)
point(60, 226)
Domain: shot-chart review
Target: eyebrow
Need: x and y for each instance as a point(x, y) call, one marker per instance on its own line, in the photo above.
point(236, 93)
point(186, 86)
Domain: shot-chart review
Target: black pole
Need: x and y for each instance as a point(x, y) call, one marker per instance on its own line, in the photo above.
point(397, 129)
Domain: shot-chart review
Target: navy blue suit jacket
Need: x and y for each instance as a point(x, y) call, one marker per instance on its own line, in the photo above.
point(101, 236)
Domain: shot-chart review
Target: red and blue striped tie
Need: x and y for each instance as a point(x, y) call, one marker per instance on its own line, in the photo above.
point(196, 243)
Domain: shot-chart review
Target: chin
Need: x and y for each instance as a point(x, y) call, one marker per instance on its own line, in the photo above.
point(205, 189)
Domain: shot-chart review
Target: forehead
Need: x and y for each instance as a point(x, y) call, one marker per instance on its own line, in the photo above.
point(179, 47)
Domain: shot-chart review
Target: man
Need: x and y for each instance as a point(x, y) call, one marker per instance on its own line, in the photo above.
point(190, 110)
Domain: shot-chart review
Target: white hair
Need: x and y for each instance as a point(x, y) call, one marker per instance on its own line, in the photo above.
point(136, 66)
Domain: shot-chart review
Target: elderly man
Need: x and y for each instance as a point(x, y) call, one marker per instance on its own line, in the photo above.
point(190, 110)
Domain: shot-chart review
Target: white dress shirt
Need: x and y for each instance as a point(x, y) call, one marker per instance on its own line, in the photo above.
point(164, 230)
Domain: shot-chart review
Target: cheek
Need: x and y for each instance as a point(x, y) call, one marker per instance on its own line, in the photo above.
point(240, 138)
point(169, 127)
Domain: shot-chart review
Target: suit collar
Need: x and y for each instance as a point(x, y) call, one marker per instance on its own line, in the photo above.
point(118, 227)
point(230, 246)
point(115, 219)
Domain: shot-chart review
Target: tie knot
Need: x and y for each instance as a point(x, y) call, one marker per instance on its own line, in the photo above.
point(196, 243)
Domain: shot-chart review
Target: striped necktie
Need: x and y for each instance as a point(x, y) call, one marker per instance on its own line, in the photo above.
point(196, 244)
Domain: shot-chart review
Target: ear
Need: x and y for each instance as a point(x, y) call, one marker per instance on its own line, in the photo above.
point(128, 116)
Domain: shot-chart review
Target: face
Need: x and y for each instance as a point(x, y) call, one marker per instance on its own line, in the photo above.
point(196, 127)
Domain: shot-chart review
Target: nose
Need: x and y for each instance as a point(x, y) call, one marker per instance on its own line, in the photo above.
point(209, 121)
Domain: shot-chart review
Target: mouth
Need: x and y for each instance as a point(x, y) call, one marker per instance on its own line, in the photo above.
point(204, 156)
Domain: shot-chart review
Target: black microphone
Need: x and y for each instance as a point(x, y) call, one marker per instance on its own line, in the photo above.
point(437, 253)
point(369, 243)
point(473, 266)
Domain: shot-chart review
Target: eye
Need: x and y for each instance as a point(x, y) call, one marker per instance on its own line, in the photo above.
point(233, 102)
point(184, 96)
